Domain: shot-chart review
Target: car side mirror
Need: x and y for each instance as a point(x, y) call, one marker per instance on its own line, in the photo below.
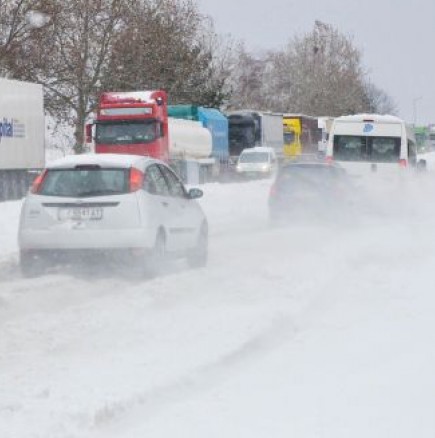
point(195, 193)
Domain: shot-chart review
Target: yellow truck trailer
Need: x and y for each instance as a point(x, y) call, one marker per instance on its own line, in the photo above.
point(301, 134)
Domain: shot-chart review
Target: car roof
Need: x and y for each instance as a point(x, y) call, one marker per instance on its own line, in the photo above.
point(305, 158)
point(311, 164)
point(369, 117)
point(122, 161)
point(308, 164)
point(258, 149)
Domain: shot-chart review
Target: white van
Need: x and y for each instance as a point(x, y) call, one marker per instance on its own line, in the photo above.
point(372, 142)
point(257, 161)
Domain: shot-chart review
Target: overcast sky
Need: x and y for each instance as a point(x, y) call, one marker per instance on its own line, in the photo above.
point(397, 38)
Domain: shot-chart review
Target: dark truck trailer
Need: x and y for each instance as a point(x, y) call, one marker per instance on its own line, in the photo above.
point(22, 136)
point(248, 129)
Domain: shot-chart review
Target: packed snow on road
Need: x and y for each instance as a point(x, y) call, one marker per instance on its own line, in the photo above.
point(310, 329)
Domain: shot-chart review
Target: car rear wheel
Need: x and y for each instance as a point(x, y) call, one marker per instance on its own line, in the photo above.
point(31, 264)
point(155, 260)
point(199, 255)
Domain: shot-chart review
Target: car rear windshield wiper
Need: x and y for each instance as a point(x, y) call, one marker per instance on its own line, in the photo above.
point(99, 193)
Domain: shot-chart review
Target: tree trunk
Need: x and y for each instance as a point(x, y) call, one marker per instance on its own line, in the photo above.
point(79, 134)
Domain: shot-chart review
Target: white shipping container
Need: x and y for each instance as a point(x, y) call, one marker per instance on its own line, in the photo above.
point(272, 131)
point(22, 125)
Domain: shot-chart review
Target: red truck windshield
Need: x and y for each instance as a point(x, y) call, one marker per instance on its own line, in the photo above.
point(127, 132)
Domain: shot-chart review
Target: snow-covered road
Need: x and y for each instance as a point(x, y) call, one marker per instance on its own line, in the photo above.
point(310, 330)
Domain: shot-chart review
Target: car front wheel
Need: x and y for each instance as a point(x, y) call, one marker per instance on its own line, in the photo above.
point(199, 255)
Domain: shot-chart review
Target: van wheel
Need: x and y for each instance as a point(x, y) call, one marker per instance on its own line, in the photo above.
point(155, 261)
point(198, 257)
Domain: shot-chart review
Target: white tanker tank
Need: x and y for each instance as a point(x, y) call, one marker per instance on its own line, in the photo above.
point(190, 150)
point(188, 139)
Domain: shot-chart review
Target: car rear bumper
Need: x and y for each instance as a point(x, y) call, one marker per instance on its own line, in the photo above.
point(86, 239)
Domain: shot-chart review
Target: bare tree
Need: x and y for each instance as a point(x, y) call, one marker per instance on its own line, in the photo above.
point(168, 44)
point(20, 22)
point(320, 74)
point(216, 89)
point(70, 58)
point(248, 81)
point(378, 101)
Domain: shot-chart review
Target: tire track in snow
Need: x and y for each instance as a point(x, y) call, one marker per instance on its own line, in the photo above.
point(200, 379)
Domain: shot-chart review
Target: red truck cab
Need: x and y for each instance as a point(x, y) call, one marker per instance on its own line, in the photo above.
point(133, 122)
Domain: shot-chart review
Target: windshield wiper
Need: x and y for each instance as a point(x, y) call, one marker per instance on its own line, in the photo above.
point(99, 193)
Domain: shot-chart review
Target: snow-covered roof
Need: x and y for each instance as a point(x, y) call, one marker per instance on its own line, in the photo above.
point(289, 115)
point(104, 160)
point(243, 112)
point(258, 149)
point(144, 96)
point(377, 118)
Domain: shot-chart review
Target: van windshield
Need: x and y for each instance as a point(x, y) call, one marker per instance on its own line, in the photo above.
point(361, 148)
point(254, 157)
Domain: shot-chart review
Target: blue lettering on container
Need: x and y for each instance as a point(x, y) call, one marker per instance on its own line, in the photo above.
point(368, 127)
point(12, 128)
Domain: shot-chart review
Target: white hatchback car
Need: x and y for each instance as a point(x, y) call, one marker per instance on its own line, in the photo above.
point(111, 204)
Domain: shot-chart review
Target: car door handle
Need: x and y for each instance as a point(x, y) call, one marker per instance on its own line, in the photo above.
point(165, 204)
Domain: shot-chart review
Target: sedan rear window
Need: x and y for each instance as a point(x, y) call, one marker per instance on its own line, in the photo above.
point(254, 157)
point(84, 182)
point(297, 176)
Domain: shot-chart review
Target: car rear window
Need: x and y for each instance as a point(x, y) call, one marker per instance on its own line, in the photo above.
point(322, 176)
point(85, 182)
point(254, 157)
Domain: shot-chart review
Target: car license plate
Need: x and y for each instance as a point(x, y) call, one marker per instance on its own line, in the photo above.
point(81, 213)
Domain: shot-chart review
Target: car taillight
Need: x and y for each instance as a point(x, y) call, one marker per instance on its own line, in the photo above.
point(136, 179)
point(329, 159)
point(37, 183)
point(403, 163)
